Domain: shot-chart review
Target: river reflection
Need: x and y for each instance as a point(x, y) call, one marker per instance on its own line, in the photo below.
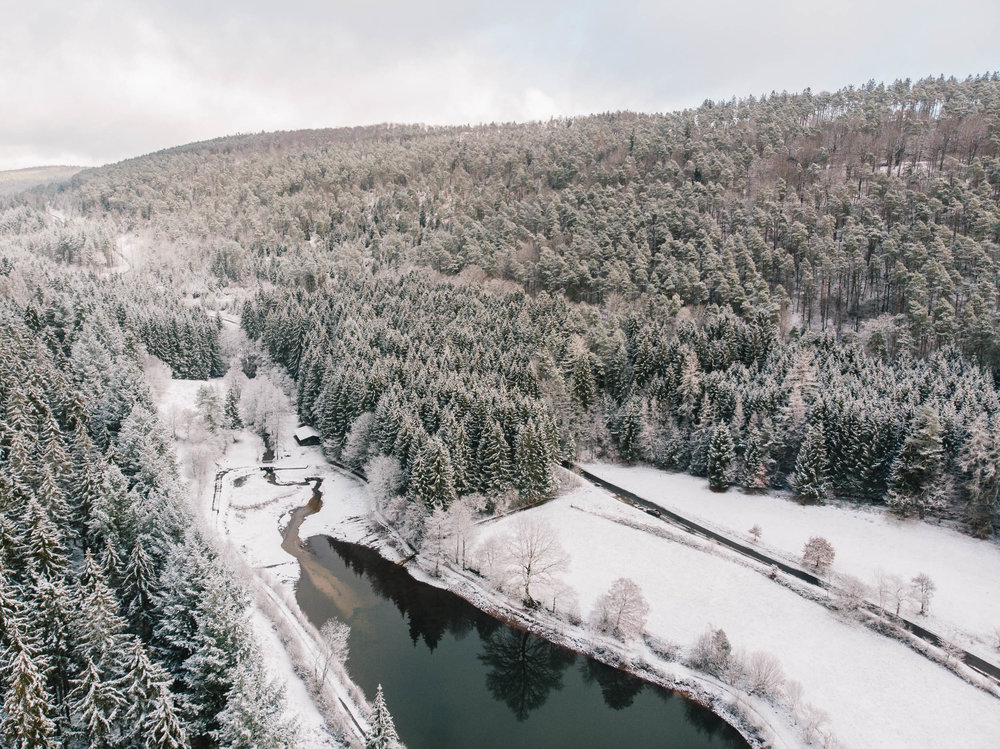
point(523, 669)
point(456, 677)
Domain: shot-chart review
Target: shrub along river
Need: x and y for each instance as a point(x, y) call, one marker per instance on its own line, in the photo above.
point(455, 677)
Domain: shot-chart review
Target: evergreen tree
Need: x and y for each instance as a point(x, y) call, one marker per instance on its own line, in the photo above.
point(810, 478)
point(433, 480)
point(629, 431)
point(99, 625)
point(137, 590)
point(98, 703)
point(254, 714)
point(721, 456)
point(231, 414)
point(25, 721)
point(163, 726)
point(584, 387)
point(980, 460)
point(494, 460)
point(532, 464)
point(452, 434)
point(917, 481)
point(46, 553)
point(756, 458)
point(381, 732)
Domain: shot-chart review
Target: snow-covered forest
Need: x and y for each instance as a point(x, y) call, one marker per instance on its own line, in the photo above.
point(119, 625)
point(797, 292)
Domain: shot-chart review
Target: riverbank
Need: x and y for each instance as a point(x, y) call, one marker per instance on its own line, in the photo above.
point(253, 512)
point(247, 514)
point(348, 516)
point(845, 686)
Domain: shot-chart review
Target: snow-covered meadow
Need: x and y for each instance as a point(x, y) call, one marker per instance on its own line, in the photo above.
point(877, 692)
point(966, 571)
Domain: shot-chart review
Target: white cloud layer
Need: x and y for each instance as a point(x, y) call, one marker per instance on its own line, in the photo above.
point(94, 81)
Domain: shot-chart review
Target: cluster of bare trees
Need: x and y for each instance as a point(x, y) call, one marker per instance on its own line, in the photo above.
point(760, 674)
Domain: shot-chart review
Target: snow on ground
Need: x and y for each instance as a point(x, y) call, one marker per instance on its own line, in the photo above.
point(250, 513)
point(300, 707)
point(877, 691)
point(965, 570)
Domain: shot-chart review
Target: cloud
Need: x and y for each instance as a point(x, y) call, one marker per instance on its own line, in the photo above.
point(101, 80)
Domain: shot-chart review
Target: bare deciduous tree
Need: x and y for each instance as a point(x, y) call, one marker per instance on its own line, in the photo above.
point(763, 674)
point(622, 611)
point(794, 692)
point(850, 593)
point(895, 591)
point(462, 514)
point(437, 530)
point(334, 635)
point(756, 532)
point(385, 477)
point(536, 556)
point(817, 553)
point(489, 559)
point(711, 652)
point(923, 589)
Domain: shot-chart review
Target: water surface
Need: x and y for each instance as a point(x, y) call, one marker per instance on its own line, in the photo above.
point(456, 678)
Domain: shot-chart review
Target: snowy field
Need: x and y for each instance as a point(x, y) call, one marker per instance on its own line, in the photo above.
point(878, 693)
point(966, 571)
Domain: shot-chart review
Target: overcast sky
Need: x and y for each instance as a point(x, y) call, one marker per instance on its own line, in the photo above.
point(88, 82)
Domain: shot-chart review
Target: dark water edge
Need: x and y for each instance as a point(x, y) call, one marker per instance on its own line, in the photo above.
point(455, 677)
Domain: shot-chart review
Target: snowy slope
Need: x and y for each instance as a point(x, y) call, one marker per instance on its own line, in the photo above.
point(877, 692)
point(965, 570)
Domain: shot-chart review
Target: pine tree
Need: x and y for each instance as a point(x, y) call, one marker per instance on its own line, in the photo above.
point(494, 460)
point(721, 456)
point(757, 459)
point(163, 726)
point(453, 435)
point(137, 590)
point(46, 553)
point(584, 387)
point(232, 409)
point(629, 431)
point(381, 732)
point(433, 480)
point(111, 564)
point(25, 721)
point(143, 684)
point(98, 703)
point(254, 714)
point(810, 479)
point(701, 437)
point(980, 460)
point(532, 464)
point(917, 476)
point(99, 625)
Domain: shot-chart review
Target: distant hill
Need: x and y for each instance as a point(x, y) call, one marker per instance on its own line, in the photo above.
point(16, 180)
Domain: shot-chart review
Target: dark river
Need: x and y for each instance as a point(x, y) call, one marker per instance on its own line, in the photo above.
point(456, 678)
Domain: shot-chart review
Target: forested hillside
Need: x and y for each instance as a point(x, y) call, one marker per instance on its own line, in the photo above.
point(797, 291)
point(119, 626)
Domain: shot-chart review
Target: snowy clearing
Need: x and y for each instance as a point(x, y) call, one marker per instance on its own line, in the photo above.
point(965, 607)
point(877, 691)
